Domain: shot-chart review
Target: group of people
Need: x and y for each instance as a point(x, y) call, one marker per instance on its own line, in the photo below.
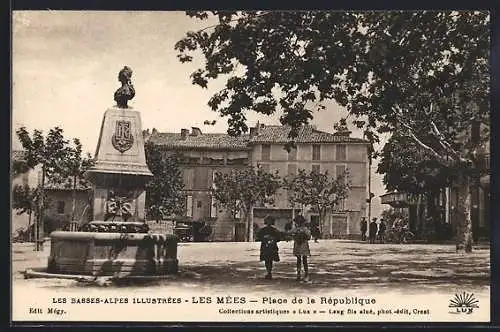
point(376, 231)
point(269, 236)
point(401, 230)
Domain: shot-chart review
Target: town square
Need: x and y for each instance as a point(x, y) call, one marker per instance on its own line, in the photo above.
point(252, 164)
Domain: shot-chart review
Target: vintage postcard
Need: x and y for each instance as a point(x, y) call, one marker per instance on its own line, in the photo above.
point(250, 166)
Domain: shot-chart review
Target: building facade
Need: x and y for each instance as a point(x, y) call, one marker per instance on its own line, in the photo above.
point(202, 156)
point(264, 146)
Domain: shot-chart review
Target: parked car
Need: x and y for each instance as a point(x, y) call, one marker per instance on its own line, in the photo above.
point(184, 232)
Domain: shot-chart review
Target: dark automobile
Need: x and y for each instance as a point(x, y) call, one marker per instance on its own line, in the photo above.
point(184, 232)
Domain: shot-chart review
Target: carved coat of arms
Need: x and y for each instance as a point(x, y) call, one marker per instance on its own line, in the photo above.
point(122, 139)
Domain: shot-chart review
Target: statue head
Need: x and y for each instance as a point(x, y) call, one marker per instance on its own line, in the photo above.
point(126, 91)
point(125, 75)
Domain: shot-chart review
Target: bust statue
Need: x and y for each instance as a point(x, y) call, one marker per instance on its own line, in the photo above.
point(126, 91)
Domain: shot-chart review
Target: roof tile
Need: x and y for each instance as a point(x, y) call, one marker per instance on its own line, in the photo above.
point(266, 134)
point(306, 134)
point(206, 141)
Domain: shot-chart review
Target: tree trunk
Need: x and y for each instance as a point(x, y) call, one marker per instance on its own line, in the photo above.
point(320, 221)
point(420, 223)
point(29, 226)
point(73, 203)
point(40, 230)
point(322, 218)
point(250, 224)
point(464, 228)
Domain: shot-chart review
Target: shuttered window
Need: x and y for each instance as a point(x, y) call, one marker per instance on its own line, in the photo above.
point(316, 153)
point(341, 152)
point(266, 152)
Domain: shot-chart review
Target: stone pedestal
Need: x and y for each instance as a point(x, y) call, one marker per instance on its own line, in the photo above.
point(120, 163)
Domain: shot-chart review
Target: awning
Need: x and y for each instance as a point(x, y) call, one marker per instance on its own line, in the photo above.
point(394, 198)
point(237, 154)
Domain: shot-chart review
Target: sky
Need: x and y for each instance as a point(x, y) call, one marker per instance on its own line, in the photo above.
point(66, 63)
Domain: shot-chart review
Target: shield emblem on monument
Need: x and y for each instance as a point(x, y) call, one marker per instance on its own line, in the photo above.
point(122, 139)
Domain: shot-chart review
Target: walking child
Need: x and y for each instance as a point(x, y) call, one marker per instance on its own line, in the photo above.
point(269, 237)
point(301, 237)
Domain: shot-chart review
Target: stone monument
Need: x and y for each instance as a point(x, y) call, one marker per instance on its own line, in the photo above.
point(117, 241)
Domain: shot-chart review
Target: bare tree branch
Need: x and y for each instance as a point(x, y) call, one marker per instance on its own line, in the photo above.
point(418, 141)
point(442, 141)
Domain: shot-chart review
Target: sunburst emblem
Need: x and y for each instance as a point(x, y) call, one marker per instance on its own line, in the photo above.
point(464, 303)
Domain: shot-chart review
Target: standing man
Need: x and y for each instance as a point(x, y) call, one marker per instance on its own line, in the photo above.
point(373, 230)
point(316, 234)
point(363, 226)
point(381, 231)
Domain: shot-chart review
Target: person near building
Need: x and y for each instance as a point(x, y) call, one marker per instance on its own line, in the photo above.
point(363, 226)
point(269, 236)
point(372, 232)
point(381, 231)
point(288, 228)
point(315, 232)
point(301, 237)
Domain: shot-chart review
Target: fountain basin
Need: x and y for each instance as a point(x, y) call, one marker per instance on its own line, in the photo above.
point(112, 254)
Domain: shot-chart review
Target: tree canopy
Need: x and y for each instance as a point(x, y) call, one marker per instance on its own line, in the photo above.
point(322, 192)
point(405, 167)
point(50, 151)
point(416, 72)
point(242, 189)
point(164, 193)
point(317, 189)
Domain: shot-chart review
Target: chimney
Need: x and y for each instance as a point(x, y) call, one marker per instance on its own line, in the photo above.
point(253, 132)
point(342, 130)
point(195, 131)
point(184, 133)
point(345, 133)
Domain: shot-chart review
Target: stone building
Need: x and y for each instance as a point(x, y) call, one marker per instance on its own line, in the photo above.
point(205, 154)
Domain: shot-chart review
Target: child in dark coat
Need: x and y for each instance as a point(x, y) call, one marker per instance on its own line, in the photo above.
point(269, 237)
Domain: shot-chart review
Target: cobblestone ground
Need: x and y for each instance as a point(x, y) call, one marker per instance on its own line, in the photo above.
point(334, 265)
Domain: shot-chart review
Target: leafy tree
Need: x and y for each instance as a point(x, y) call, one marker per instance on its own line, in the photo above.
point(72, 173)
point(407, 168)
point(164, 193)
point(19, 167)
point(25, 200)
point(240, 190)
point(49, 152)
point(424, 74)
point(318, 190)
